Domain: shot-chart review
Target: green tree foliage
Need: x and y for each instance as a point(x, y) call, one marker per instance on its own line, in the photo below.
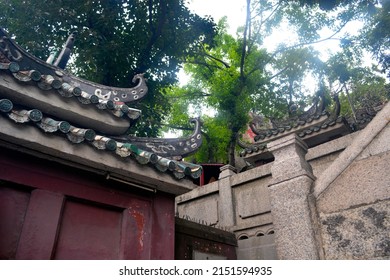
point(375, 14)
point(228, 82)
point(358, 87)
point(238, 74)
point(116, 39)
point(376, 36)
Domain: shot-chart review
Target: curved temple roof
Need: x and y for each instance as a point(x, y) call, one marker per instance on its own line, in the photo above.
point(85, 112)
point(309, 122)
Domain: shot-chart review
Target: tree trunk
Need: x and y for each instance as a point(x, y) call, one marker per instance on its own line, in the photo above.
point(232, 149)
point(210, 150)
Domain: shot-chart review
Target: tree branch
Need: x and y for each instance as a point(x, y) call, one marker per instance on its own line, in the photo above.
point(209, 66)
point(244, 44)
point(279, 73)
point(191, 94)
point(217, 59)
point(156, 33)
point(331, 37)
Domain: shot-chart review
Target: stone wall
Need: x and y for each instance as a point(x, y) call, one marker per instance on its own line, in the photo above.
point(248, 202)
point(354, 206)
point(335, 207)
point(253, 222)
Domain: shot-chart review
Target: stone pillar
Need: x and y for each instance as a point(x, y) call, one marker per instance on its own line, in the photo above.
point(290, 204)
point(226, 211)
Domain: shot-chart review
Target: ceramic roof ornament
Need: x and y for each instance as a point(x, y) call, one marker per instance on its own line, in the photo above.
point(309, 123)
point(53, 100)
point(315, 125)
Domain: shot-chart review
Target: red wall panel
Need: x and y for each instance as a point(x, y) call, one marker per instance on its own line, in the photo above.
point(40, 225)
point(99, 228)
point(13, 206)
point(74, 214)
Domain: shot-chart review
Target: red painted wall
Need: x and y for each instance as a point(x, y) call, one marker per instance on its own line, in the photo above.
point(52, 211)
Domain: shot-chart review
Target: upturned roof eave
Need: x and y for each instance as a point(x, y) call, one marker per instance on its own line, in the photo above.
point(33, 85)
point(30, 140)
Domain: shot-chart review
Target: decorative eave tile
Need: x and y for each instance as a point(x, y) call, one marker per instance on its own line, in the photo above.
point(76, 135)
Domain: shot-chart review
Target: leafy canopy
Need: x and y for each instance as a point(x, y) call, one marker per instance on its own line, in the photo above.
point(238, 74)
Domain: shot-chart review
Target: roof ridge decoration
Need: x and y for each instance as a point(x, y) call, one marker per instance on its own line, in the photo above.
point(27, 68)
point(309, 122)
point(178, 146)
point(23, 108)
